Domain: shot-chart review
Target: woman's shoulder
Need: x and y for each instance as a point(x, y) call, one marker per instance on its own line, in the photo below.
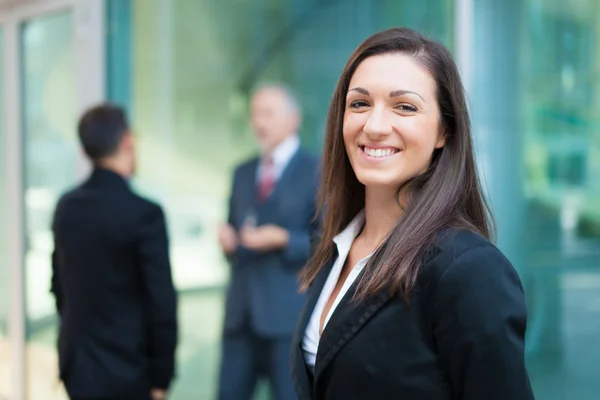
point(463, 255)
point(459, 239)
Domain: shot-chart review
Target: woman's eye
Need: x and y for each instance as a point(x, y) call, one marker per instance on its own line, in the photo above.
point(358, 104)
point(407, 108)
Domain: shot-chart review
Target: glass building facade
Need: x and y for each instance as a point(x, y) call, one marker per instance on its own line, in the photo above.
point(184, 70)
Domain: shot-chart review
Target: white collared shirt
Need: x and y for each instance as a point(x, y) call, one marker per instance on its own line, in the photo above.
point(343, 241)
point(282, 155)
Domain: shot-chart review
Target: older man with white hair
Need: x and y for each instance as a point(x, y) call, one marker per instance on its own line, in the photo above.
point(266, 239)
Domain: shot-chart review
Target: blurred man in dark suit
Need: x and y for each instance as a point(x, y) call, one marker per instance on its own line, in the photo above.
point(111, 275)
point(271, 216)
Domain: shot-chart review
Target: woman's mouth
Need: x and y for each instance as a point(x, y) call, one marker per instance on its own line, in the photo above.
point(379, 152)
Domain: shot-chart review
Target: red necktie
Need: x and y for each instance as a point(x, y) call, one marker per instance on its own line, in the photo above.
point(267, 179)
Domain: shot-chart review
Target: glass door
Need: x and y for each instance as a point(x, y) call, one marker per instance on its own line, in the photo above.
point(50, 152)
point(4, 287)
point(54, 62)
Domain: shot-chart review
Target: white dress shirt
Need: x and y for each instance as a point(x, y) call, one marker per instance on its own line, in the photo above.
point(343, 241)
point(282, 155)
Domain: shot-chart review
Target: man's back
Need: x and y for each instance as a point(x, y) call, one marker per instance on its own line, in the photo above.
point(114, 292)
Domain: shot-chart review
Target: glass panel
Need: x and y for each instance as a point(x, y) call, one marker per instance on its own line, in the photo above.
point(51, 150)
point(562, 157)
point(4, 267)
point(188, 103)
point(535, 101)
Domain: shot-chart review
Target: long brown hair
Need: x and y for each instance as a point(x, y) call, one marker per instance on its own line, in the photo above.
point(448, 194)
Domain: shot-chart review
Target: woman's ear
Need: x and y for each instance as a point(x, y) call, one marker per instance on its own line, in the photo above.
point(441, 139)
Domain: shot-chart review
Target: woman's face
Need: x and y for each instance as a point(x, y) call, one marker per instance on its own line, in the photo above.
point(391, 121)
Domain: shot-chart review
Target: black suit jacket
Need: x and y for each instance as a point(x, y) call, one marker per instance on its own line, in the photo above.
point(114, 293)
point(461, 337)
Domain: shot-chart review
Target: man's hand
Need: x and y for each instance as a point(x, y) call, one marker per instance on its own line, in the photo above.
point(158, 394)
point(264, 238)
point(228, 239)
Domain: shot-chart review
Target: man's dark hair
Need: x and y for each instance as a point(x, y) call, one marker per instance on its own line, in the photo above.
point(101, 129)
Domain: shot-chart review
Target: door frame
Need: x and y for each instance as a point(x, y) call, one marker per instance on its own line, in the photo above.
point(89, 38)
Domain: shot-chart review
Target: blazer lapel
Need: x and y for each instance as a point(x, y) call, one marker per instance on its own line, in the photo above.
point(350, 316)
point(345, 322)
point(299, 372)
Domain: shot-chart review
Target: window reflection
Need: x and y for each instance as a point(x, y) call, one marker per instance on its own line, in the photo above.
point(562, 154)
point(50, 168)
point(4, 232)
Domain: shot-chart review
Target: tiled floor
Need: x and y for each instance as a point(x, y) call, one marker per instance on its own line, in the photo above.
point(200, 317)
point(41, 372)
point(575, 376)
point(4, 369)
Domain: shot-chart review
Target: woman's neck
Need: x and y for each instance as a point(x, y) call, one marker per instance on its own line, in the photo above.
point(382, 213)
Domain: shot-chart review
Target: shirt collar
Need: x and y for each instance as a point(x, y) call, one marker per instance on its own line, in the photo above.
point(344, 239)
point(284, 151)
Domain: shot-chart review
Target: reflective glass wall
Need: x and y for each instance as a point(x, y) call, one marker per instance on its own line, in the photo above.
point(4, 232)
point(184, 69)
point(534, 101)
point(50, 154)
point(561, 133)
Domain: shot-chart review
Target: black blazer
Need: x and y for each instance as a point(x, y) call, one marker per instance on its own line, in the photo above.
point(461, 337)
point(113, 289)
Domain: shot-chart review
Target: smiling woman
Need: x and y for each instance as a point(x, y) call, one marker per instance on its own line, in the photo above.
point(408, 297)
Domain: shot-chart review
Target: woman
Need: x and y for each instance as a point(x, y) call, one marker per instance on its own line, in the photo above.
point(407, 297)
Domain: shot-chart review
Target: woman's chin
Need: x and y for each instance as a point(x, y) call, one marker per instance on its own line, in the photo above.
point(379, 182)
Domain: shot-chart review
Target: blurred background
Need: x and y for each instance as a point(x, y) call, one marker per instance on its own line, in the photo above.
point(183, 70)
